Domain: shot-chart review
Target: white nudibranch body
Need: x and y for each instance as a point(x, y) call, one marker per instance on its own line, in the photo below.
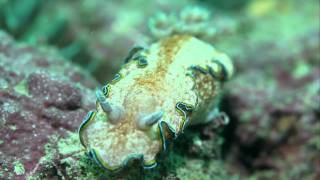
point(160, 90)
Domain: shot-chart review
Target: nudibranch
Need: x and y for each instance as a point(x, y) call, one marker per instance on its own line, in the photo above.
point(160, 90)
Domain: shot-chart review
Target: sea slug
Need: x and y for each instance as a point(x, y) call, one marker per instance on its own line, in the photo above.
point(160, 90)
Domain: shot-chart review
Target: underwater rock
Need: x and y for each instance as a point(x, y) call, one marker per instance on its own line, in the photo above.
point(274, 101)
point(41, 95)
point(53, 93)
point(275, 116)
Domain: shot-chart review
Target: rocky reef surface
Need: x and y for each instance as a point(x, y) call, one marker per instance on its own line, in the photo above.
point(273, 100)
point(41, 96)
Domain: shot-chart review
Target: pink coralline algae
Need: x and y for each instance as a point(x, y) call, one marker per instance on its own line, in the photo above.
point(40, 95)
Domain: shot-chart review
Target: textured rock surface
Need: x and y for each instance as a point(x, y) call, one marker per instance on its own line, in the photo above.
point(40, 95)
point(273, 101)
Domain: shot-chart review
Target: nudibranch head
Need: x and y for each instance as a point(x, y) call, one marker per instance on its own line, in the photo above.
point(151, 99)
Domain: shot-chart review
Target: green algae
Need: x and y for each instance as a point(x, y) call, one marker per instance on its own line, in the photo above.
point(21, 88)
point(70, 145)
point(202, 170)
point(67, 154)
point(18, 168)
point(301, 70)
point(13, 127)
point(3, 84)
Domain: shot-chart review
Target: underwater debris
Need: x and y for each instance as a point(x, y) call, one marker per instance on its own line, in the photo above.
point(138, 113)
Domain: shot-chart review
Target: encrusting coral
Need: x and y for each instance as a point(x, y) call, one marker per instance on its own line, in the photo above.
point(152, 99)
